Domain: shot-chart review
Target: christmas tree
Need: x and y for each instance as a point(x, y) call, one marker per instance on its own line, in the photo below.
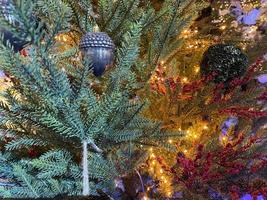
point(71, 123)
point(133, 99)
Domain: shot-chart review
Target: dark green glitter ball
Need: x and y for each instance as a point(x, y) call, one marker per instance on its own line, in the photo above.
point(228, 61)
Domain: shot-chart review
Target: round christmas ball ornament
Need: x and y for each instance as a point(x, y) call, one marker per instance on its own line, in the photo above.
point(99, 48)
point(228, 61)
point(6, 9)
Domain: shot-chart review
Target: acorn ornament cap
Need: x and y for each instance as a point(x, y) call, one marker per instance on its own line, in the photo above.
point(99, 48)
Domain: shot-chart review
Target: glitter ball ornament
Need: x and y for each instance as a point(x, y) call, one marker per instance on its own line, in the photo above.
point(6, 8)
point(99, 49)
point(226, 60)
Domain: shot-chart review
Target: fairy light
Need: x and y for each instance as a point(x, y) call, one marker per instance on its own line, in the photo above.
point(195, 136)
point(185, 79)
point(205, 127)
point(161, 171)
point(145, 198)
point(185, 151)
point(170, 141)
point(223, 27)
point(197, 69)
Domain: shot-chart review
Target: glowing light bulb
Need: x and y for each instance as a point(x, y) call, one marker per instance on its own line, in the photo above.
point(151, 149)
point(223, 27)
point(161, 171)
point(197, 69)
point(170, 141)
point(195, 136)
point(153, 155)
point(185, 79)
point(224, 138)
point(185, 151)
point(205, 127)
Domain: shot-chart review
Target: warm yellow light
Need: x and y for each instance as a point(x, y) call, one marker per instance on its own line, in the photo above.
point(187, 131)
point(185, 79)
point(185, 151)
point(170, 141)
point(185, 32)
point(151, 168)
point(64, 38)
point(145, 198)
point(205, 127)
point(153, 163)
point(162, 62)
point(223, 27)
point(197, 69)
point(224, 138)
point(195, 136)
point(151, 149)
point(161, 171)
point(153, 155)
point(165, 181)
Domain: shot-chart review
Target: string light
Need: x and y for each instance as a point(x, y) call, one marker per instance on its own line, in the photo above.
point(197, 69)
point(223, 27)
point(170, 141)
point(205, 127)
point(185, 79)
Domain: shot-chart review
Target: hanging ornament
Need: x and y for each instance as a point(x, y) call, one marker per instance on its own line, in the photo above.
point(7, 8)
point(226, 60)
point(99, 49)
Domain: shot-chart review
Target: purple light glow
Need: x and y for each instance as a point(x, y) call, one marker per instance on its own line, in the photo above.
point(262, 78)
point(249, 197)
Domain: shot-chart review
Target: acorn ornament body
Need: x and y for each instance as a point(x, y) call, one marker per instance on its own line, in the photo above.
point(99, 48)
point(228, 61)
point(6, 9)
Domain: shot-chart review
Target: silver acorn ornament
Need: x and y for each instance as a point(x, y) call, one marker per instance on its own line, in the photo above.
point(99, 48)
